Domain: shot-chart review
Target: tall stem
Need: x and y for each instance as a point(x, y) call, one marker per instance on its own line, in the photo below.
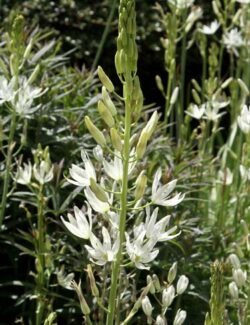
point(117, 263)
point(41, 259)
point(8, 167)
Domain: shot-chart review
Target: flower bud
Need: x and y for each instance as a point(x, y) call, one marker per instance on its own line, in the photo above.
point(13, 65)
point(141, 184)
point(95, 132)
point(151, 125)
point(98, 190)
point(93, 286)
point(172, 272)
point(105, 79)
point(116, 139)
point(234, 260)
point(240, 277)
point(108, 102)
point(84, 306)
point(98, 153)
point(233, 289)
point(146, 306)
point(180, 317)
point(118, 65)
point(196, 97)
point(243, 86)
point(159, 83)
point(168, 296)
point(28, 49)
point(182, 284)
point(152, 287)
point(156, 283)
point(226, 82)
point(196, 85)
point(142, 144)
point(160, 320)
point(105, 114)
point(245, 227)
point(174, 96)
point(34, 75)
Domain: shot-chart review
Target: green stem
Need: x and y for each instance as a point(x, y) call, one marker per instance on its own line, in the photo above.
point(117, 263)
point(8, 168)
point(41, 259)
point(104, 35)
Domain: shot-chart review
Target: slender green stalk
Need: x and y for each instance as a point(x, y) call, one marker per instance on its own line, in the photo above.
point(105, 34)
point(117, 264)
point(41, 259)
point(8, 167)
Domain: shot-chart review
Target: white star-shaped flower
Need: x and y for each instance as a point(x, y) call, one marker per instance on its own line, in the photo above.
point(211, 28)
point(160, 194)
point(244, 119)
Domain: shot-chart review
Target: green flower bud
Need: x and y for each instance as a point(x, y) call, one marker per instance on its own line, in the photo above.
point(159, 83)
point(28, 50)
point(174, 96)
point(196, 97)
point(118, 65)
point(196, 85)
point(243, 86)
point(105, 79)
point(108, 102)
point(141, 184)
point(93, 286)
point(34, 75)
point(152, 287)
point(142, 145)
point(84, 306)
point(116, 139)
point(172, 272)
point(156, 283)
point(13, 65)
point(98, 190)
point(95, 132)
point(105, 114)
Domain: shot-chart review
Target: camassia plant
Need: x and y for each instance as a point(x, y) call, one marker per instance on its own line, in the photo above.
point(120, 221)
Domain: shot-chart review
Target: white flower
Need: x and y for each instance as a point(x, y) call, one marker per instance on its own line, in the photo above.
point(65, 280)
point(196, 111)
point(244, 119)
point(245, 173)
point(96, 204)
point(160, 194)
point(239, 277)
point(23, 174)
point(180, 317)
point(233, 289)
point(225, 176)
point(182, 284)
point(7, 92)
point(156, 230)
point(160, 320)
point(114, 169)
point(233, 40)
point(81, 176)
point(181, 4)
point(168, 296)
point(79, 225)
point(141, 253)
point(101, 253)
point(210, 29)
point(212, 109)
point(43, 173)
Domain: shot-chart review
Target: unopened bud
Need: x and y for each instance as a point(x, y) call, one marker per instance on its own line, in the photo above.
point(34, 75)
point(172, 272)
point(141, 184)
point(233, 289)
point(13, 65)
point(116, 139)
point(160, 320)
point(234, 260)
point(196, 97)
point(98, 190)
point(105, 114)
point(226, 82)
point(180, 317)
point(243, 86)
point(108, 102)
point(159, 83)
point(146, 306)
point(98, 153)
point(83, 304)
point(95, 132)
point(240, 277)
point(196, 85)
point(105, 79)
point(151, 125)
point(142, 144)
point(174, 96)
point(182, 284)
point(168, 296)
point(28, 49)
point(156, 283)
point(93, 286)
point(150, 281)
point(118, 65)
